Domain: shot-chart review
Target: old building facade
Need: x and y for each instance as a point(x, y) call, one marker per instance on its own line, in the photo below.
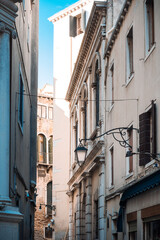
point(43, 214)
point(114, 193)
point(69, 27)
point(18, 85)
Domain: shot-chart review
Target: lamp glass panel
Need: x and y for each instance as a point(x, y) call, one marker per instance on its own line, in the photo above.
point(81, 155)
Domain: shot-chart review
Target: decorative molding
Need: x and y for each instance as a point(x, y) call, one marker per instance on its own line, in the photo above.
point(94, 85)
point(92, 28)
point(5, 28)
point(69, 11)
point(69, 193)
point(9, 4)
point(117, 27)
point(8, 14)
point(90, 70)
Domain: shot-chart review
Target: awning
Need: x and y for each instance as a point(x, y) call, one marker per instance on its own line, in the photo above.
point(141, 186)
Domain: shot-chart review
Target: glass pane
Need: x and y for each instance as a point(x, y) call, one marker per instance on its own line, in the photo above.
point(43, 111)
point(50, 113)
point(39, 111)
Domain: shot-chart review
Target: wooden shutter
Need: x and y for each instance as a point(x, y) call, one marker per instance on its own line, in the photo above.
point(50, 150)
point(83, 20)
point(49, 198)
point(144, 138)
point(154, 130)
point(38, 148)
point(44, 150)
point(72, 26)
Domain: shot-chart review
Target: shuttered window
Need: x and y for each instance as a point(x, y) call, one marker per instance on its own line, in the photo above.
point(49, 198)
point(147, 138)
point(41, 148)
point(149, 25)
point(77, 24)
point(50, 150)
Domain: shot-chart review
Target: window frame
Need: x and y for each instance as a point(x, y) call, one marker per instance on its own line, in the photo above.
point(111, 84)
point(42, 105)
point(129, 160)
point(49, 107)
point(21, 101)
point(129, 55)
point(145, 146)
point(149, 28)
point(111, 166)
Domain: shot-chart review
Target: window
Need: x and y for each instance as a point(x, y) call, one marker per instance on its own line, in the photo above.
point(49, 198)
point(152, 230)
point(50, 113)
point(132, 227)
point(149, 25)
point(42, 111)
point(77, 24)
point(23, 1)
point(50, 149)
point(111, 169)
point(41, 155)
point(97, 94)
point(129, 56)
point(112, 85)
point(129, 160)
point(48, 232)
point(20, 101)
point(147, 137)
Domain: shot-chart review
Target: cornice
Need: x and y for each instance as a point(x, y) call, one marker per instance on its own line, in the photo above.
point(68, 11)
point(117, 27)
point(9, 4)
point(98, 11)
point(8, 14)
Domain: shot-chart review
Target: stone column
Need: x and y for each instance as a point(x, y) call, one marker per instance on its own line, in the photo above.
point(7, 18)
point(88, 206)
point(78, 213)
point(70, 232)
point(101, 200)
point(83, 209)
point(9, 216)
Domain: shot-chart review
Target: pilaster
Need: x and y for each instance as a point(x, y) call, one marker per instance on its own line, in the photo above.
point(7, 20)
point(101, 199)
point(70, 232)
point(88, 206)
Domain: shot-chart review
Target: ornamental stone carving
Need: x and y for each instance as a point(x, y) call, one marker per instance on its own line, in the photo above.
point(8, 14)
point(5, 28)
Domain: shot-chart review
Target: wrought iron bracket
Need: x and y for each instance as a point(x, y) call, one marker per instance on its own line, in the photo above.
point(119, 134)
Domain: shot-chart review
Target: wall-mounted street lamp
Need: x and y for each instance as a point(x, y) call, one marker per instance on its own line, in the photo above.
point(52, 207)
point(119, 134)
point(152, 155)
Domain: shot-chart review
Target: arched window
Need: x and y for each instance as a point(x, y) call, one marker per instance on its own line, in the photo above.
point(49, 198)
point(97, 93)
point(41, 144)
point(50, 149)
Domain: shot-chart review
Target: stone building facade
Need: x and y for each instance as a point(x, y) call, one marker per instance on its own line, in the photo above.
point(114, 192)
point(69, 28)
point(43, 215)
point(18, 88)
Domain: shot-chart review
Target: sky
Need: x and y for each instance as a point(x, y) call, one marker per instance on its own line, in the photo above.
point(47, 8)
